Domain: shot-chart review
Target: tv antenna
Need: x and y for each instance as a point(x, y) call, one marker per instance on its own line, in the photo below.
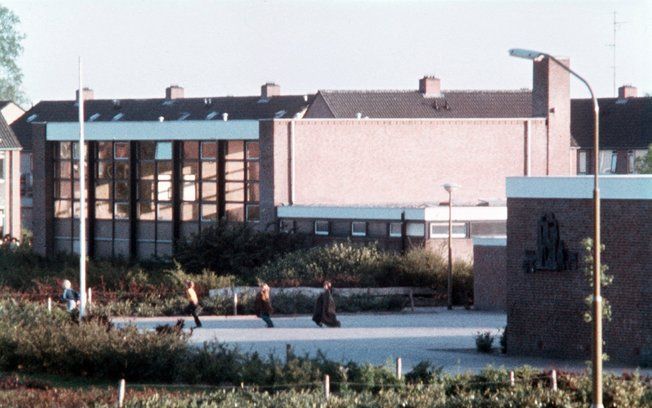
point(616, 26)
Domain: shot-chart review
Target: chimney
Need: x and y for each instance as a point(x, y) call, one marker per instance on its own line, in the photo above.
point(430, 87)
point(87, 93)
point(270, 89)
point(627, 91)
point(174, 92)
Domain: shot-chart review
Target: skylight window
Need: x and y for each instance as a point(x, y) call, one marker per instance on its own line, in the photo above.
point(31, 118)
point(118, 116)
point(184, 115)
point(94, 117)
point(279, 114)
point(211, 115)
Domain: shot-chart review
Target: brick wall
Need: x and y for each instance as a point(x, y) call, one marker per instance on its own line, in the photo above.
point(544, 309)
point(489, 277)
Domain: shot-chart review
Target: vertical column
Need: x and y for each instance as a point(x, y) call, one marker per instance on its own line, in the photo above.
point(177, 186)
point(90, 188)
point(43, 203)
point(221, 188)
point(133, 201)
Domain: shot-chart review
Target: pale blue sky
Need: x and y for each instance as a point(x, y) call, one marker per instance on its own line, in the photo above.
point(137, 48)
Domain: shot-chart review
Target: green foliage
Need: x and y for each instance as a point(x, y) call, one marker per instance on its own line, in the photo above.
point(236, 249)
point(484, 342)
point(11, 76)
point(644, 164)
point(605, 280)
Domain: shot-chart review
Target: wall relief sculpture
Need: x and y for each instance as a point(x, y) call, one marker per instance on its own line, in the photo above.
point(551, 253)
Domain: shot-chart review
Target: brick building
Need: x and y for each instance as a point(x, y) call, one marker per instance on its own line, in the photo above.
point(360, 160)
point(158, 170)
point(546, 282)
point(625, 131)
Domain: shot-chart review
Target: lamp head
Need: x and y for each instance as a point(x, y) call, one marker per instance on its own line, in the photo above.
point(451, 187)
point(527, 54)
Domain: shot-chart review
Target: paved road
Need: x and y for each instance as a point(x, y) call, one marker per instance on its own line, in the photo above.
point(446, 338)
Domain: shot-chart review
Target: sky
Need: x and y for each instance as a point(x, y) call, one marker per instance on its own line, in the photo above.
point(134, 49)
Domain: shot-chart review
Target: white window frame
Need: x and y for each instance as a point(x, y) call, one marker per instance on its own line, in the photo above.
point(322, 231)
point(582, 162)
point(415, 229)
point(434, 234)
point(355, 233)
point(395, 234)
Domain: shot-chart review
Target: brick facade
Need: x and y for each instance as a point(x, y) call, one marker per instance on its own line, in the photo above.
point(545, 308)
point(489, 277)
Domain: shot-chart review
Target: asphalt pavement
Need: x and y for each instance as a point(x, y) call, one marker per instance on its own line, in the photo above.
point(445, 338)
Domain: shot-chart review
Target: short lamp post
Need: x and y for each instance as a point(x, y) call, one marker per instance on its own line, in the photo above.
point(597, 298)
point(449, 187)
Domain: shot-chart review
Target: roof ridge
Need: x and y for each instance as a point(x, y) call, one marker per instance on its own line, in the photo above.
point(407, 91)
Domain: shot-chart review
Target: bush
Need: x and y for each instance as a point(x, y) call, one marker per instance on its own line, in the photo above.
point(484, 342)
point(235, 249)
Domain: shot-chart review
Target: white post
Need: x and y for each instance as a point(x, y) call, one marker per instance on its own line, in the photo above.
point(327, 387)
point(235, 304)
point(82, 198)
point(511, 378)
point(399, 368)
point(554, 380)
point(49, 305)
point(90, 298)
point(121, 393)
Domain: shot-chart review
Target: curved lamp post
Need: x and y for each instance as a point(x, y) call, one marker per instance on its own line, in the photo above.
point(450, 187)
point(597, 298)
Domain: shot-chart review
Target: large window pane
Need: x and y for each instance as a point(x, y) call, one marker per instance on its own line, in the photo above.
point(121, 211)
point(253, 192)
point(209, 171)
point(64, 168)
point(122, 170)
point(65, 150)
point(253, 151)
point(147, 150)
point(208, 150)
point(235, 150)
point(147, 170)
point(121, 151)
point(164, 190)
point(163, 151)
point(253, 212)
point(164, 212)
point(165, 170)
point(253, 169)
point(189, 191)
point(121, 190)
point(146, 211)
point(146, 190)
point(190, 169)
point(63, 209)
point(191, 150)
point(103, 190)
point(62, 189)
point(104, 150)
point(234, 170)
point(189, 211)
point(103, 210)
point(234, 212)
point(234, 191)
point(209, 212)
point(209, 191)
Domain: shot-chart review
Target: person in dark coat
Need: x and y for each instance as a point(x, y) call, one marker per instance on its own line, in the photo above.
point(325, 308)
point(263, 305)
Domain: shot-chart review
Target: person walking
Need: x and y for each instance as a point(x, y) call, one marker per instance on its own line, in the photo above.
point(193, 302)
point(70, 296)
point(325, 308)
point(263, 305)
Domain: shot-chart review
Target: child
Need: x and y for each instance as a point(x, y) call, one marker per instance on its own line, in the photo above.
point(263, 305)
point(193, 302)
point(69, 296)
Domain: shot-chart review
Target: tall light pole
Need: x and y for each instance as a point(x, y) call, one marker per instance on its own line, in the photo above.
point(597, 298)
point(450, 187)
point(82, 199)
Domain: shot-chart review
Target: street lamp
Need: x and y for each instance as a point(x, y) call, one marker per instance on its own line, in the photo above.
point(597, 299)
point(450, 187)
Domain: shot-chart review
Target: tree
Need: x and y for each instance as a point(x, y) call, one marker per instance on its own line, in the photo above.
point(644, 164)
point(11, 76)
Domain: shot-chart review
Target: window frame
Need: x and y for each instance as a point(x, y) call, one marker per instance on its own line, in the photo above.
point(355, 233)
point(322, 232)
point(455, 235)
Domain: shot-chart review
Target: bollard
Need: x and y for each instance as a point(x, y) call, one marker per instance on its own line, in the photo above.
point(121, 393)
point(49, 305)
point(327, 387)
point(511, 378)
point(288, 353)
point(554, 380)
point(399, 368)
point(235, 304)
point(89, 298)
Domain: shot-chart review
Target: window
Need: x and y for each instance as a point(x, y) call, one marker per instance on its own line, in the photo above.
point(608, 161)
point(634, 157)
point(440, 230)
point(582, 162)
point(395, 229)
point(321, 227)
point(2, 168)
point(121, 151)
point(415, 229)
point(163, 151)
point(358, 228)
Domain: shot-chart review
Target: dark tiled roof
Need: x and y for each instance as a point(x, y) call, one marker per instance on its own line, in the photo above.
point(412, 104)
point(102, 110)
point(624, 123)
point(8, 140)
